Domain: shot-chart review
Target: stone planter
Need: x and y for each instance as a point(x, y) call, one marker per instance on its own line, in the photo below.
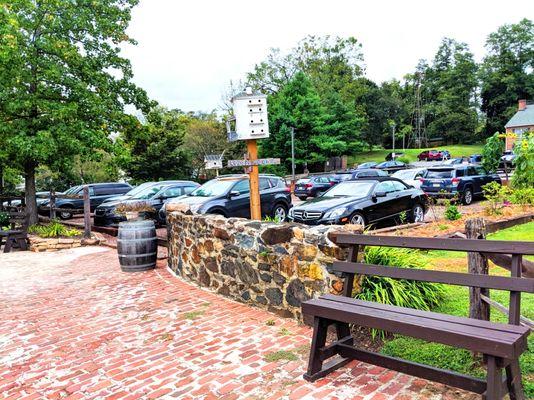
point(39, 244)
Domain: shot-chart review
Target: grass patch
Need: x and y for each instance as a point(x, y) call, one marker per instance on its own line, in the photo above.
point(270, 322)
point(280, 355)
point(411, 154)
point(456, 302)
point(193, 314)
point(284, 332)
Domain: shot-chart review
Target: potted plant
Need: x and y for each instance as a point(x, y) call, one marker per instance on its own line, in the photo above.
point(134, 211)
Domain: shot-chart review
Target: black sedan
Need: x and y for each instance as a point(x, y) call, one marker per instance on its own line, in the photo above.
point(364, 201)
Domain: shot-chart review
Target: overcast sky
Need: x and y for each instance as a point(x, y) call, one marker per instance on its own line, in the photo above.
point(188, 51)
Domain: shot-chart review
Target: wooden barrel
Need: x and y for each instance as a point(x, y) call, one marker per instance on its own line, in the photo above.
point(137, 246)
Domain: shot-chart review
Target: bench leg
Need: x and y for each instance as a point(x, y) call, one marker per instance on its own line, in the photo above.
point(343, 330)
point(23, 245)
point(8, 245)
point(494, 379)
point(513, 380)
point(320, 329)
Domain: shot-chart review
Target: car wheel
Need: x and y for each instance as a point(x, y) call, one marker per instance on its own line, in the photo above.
point(467, 197)
point(217, 212)
point(303, 198)
point(418, 213)
point(357, 219)
point(65, 215)
point(280, 212)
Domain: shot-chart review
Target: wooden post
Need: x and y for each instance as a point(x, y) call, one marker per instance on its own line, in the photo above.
point(255, 202)
point(86, 213)
point(514, 316)
point(52, 204)
point(477, 264)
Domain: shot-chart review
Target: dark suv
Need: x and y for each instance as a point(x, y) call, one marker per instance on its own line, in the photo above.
point(154, 195)
point(98, 193)
point(314, 186)
point(229, 196)
point(461, 181)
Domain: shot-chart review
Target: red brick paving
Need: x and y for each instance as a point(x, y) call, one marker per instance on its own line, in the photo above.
point(85, 330)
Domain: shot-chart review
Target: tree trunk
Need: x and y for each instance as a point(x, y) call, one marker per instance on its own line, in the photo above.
point(29, 189)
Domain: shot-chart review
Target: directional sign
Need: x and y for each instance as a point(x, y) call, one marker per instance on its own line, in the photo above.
point(250, 163)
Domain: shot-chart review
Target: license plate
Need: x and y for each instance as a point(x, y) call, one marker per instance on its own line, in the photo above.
point(436, 185)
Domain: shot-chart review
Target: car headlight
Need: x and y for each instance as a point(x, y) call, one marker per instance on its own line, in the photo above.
point(336, 213)
point(195, 207)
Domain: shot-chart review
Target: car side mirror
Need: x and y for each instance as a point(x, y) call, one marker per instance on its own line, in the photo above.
point(380, 194)
point(234, 193)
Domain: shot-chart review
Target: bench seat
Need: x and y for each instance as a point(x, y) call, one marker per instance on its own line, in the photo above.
point(500, 340)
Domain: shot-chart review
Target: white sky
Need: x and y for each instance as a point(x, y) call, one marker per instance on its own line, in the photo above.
point(189, 50)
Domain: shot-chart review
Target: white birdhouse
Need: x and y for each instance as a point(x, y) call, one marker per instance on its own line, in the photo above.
point(250, 113)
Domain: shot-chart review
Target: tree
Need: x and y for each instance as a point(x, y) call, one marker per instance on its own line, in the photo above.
point(524, 163)
point(299, 106)
point(63, 84)
point(451, 83)
point(154, 149)
point(506, 73)
point(492, 152)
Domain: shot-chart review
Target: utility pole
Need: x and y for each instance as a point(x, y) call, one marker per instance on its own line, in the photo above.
point(292, 159)
point(393, 128)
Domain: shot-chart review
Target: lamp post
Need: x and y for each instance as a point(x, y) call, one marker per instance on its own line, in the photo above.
point(292, 159)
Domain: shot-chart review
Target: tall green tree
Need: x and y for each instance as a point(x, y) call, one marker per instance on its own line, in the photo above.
point(63, 83)
point(507, 73)
point(153, 149)
point(451, 80)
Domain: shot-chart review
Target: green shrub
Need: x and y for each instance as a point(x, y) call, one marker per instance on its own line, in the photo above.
point(523, 177)
point(53, 229)
point(399, 292)
point(405, 159)
point(523, 196)
point(4, 219)
point(496, 194)
point(452, 213)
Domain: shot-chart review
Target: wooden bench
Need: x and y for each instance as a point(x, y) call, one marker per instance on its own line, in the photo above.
point(17, 234)
point(501, 344)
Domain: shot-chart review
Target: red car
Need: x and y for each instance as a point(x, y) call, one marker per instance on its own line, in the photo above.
point(430, 155)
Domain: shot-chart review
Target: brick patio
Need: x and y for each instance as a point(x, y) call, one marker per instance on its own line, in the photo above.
point(73, 326)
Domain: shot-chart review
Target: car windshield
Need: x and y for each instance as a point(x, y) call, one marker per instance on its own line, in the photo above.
point(215, 187)
point(73, 190)
point(139, 189)
point(439, 173)
point(406, 174)
point(350, 188)
point(385, 164)
point(148, 192)
point(367, 165)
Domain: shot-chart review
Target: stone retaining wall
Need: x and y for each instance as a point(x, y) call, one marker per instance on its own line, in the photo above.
point(273, 266)
point(38, 244)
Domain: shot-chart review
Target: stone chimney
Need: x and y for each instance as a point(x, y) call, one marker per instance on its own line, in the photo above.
point(522, 104)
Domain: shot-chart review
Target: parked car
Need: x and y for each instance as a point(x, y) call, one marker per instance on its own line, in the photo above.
point(137, 189)
point(367, 173)
point(230, 196)
point(475, 158)
point(455, 161)
point(391, 166)
point(98, 193)
point(154, 196)
point(313, 186)
point(340, 176)
point(461, 181)
point(413, 177)
point(40, 198)
point(393, 156)
point(508, 157)
point(430, 155)
point(367, 165)
point(364, 201)
point(445, 155)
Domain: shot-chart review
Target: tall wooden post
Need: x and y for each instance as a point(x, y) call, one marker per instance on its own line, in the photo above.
point(255, 203)
point(52, 204)
point(86, 213)
point(477, 264)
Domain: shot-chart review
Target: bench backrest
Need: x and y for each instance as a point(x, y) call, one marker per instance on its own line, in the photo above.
point(514, 284)
point(18, 221)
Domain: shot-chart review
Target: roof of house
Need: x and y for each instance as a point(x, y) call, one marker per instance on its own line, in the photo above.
point(522, 118)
